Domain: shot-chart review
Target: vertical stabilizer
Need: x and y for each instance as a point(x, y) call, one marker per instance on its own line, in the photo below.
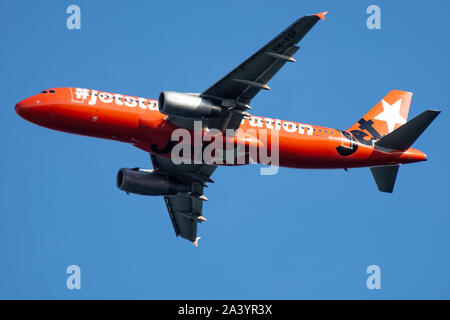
point(386, 116)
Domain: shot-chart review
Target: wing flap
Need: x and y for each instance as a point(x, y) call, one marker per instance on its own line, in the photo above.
point(184, 213)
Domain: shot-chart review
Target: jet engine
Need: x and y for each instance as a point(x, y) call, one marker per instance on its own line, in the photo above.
point(149, 183)
point(187, 105)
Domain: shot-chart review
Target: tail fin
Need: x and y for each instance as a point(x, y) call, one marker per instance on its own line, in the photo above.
point(387, 115)
point(385, 177)
point(400, 139)
point(403, 137)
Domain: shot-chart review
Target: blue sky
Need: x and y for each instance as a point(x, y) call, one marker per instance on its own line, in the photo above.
point(298, 234)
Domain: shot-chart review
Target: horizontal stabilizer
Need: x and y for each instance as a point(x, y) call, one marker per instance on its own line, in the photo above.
point(385, 177)
point(403, 137)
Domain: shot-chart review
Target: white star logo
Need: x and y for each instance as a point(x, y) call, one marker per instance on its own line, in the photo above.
point(391, 114)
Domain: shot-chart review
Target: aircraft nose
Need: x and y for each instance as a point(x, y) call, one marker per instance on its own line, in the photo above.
point(22, 108)
point(32, 110)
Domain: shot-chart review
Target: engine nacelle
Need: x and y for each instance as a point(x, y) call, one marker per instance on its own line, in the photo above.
point(148, 183)
point(187, 105)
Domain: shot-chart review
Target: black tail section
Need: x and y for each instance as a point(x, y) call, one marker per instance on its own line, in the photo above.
point(400, 139)
point(404, 136)
point(385, 177)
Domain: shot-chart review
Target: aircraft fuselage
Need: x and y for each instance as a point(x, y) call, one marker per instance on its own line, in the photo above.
point(138, 121)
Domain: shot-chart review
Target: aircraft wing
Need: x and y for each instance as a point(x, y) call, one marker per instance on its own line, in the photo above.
point(245, 81)
point(237, 88)
point(185, 211)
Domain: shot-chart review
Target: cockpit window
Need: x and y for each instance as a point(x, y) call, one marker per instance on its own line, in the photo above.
point(51, 91)
point(45, 91)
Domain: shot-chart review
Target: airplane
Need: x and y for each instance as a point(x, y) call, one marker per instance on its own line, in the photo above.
point(380, 140)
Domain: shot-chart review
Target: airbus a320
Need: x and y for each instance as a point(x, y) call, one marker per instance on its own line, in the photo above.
point(381, 139)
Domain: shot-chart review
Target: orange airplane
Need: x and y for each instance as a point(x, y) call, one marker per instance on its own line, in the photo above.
point(381, 139)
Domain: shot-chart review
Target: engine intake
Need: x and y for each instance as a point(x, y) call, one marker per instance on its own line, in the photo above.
point(187, 105)
point(149, 183)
